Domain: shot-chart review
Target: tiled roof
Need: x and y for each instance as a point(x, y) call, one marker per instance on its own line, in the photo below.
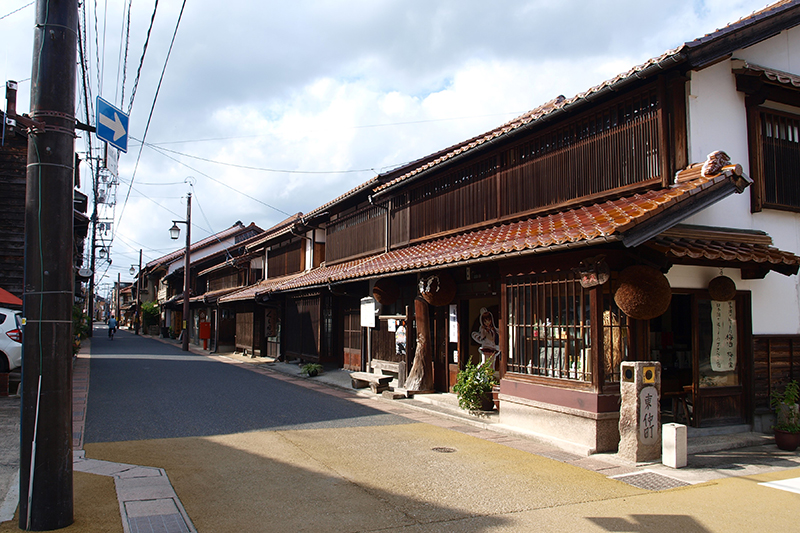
point(579, 226)
point(212, 296)
point(778, 76)
point(224, 234)
point(277, 230)
point(251, 291)
point(768, 11)
point(725, 246)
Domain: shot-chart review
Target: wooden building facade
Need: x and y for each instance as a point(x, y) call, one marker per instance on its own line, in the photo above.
point(522, 240)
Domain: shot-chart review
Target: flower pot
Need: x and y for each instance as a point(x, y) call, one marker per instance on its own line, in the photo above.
point(313, 373)
point(786, 440)
point(487, 402)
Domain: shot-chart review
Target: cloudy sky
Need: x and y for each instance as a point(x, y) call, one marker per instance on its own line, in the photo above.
point(269, 109)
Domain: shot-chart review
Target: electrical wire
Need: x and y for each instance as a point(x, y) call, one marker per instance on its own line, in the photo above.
point(124, 62)
point(221, 183)
point(141, 60)
point(16, 10)
point(152, 108)
point(260, 169)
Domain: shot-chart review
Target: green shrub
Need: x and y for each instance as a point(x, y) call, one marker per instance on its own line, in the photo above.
point(150, 314)
point(474, 383)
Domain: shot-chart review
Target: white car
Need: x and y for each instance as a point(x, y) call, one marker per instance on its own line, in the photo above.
point(10, 339)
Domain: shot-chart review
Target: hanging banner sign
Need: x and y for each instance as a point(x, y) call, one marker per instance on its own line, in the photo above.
point(723, 337)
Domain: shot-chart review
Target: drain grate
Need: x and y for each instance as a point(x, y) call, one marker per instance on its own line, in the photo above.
point(443, 449)
point(650, 481)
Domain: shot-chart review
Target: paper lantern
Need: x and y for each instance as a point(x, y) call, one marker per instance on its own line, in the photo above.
point(722, 289)
point(643, 292)
point(386, 291)
point(438, 289)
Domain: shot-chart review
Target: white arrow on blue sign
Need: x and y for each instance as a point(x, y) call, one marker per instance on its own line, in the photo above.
point(112, 125)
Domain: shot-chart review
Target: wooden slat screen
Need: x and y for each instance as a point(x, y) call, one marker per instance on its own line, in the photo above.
point(780, 134)
point(352, 333)
point(776, 361)
point(549, 327)
point(303, 326)
point(286, 260)
point(360, 233)
point(244, 331)
point(225, 282)
point(615, 147)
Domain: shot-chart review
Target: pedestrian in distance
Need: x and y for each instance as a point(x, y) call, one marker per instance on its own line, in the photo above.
point(112, 327)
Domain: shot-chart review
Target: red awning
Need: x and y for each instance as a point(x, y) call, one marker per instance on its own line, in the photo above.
point(6, 298)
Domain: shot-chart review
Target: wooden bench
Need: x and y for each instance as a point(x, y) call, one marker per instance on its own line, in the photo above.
point(376, 382)
point(391, 367)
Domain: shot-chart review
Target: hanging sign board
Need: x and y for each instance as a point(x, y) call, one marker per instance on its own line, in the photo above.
point(453, 323)
point(368, 309)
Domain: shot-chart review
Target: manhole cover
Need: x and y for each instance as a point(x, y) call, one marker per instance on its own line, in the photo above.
point(443, 449)
point(651, 481)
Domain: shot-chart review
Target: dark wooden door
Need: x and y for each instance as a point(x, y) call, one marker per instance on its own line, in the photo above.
point(721, 361)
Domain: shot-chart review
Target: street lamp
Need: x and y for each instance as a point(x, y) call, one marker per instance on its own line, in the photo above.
point(174, 233)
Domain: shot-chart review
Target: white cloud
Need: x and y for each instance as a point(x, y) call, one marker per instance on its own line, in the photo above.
point(330, 85)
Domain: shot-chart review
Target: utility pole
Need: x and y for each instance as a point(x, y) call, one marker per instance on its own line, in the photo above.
point(174, 233)
point(92, 261)
point(138, 318)
point(46, 495)
point(186, 277)
point(119, 290)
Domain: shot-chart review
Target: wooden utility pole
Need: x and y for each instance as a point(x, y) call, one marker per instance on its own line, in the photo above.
point(137, 321)
point(46, 497)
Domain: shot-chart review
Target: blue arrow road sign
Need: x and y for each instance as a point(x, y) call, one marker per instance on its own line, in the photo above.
point(112, 125)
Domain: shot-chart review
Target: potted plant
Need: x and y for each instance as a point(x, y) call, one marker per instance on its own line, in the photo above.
point(474, 386)
point(787, 413)
point(311, 369)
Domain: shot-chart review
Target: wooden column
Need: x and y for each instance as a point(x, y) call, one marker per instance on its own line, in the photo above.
point(420, 379)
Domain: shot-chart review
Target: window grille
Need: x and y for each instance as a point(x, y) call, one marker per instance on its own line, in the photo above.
point(780, 138)
point(549, 327)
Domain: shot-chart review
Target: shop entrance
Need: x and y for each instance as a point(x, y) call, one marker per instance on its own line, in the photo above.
point(700, 344)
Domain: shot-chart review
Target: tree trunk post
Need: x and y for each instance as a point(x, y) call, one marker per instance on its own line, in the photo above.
point(420, 379)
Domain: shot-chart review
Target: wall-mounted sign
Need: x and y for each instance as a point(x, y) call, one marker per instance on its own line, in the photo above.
point(368, 312)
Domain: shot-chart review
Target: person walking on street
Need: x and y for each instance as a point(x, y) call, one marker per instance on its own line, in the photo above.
point(112, 327)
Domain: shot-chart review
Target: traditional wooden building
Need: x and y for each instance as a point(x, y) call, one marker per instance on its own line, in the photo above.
point(648, 218)
point(219, 265)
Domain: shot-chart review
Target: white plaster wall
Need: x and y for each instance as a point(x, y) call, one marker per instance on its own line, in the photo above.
point(200, 254)
point(717, 121)
point(775, 299)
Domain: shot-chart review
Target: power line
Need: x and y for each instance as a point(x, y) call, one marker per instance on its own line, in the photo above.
point(141, 60)
point(152, 107)
point(16, 10)
point(261, 169)
point(363, 126)
point(220, 182)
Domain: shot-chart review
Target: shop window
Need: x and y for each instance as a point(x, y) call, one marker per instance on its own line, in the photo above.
point(549, 327)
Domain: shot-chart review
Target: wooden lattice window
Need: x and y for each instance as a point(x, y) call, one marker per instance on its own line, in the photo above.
point(549, 327)
point(780, 159)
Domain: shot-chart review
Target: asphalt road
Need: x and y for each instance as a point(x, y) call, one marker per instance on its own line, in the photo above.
point(144, 389)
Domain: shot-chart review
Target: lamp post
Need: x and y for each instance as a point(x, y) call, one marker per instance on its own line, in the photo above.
point(174, 233)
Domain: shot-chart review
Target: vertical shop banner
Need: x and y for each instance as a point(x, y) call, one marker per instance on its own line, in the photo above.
point(723, 340)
